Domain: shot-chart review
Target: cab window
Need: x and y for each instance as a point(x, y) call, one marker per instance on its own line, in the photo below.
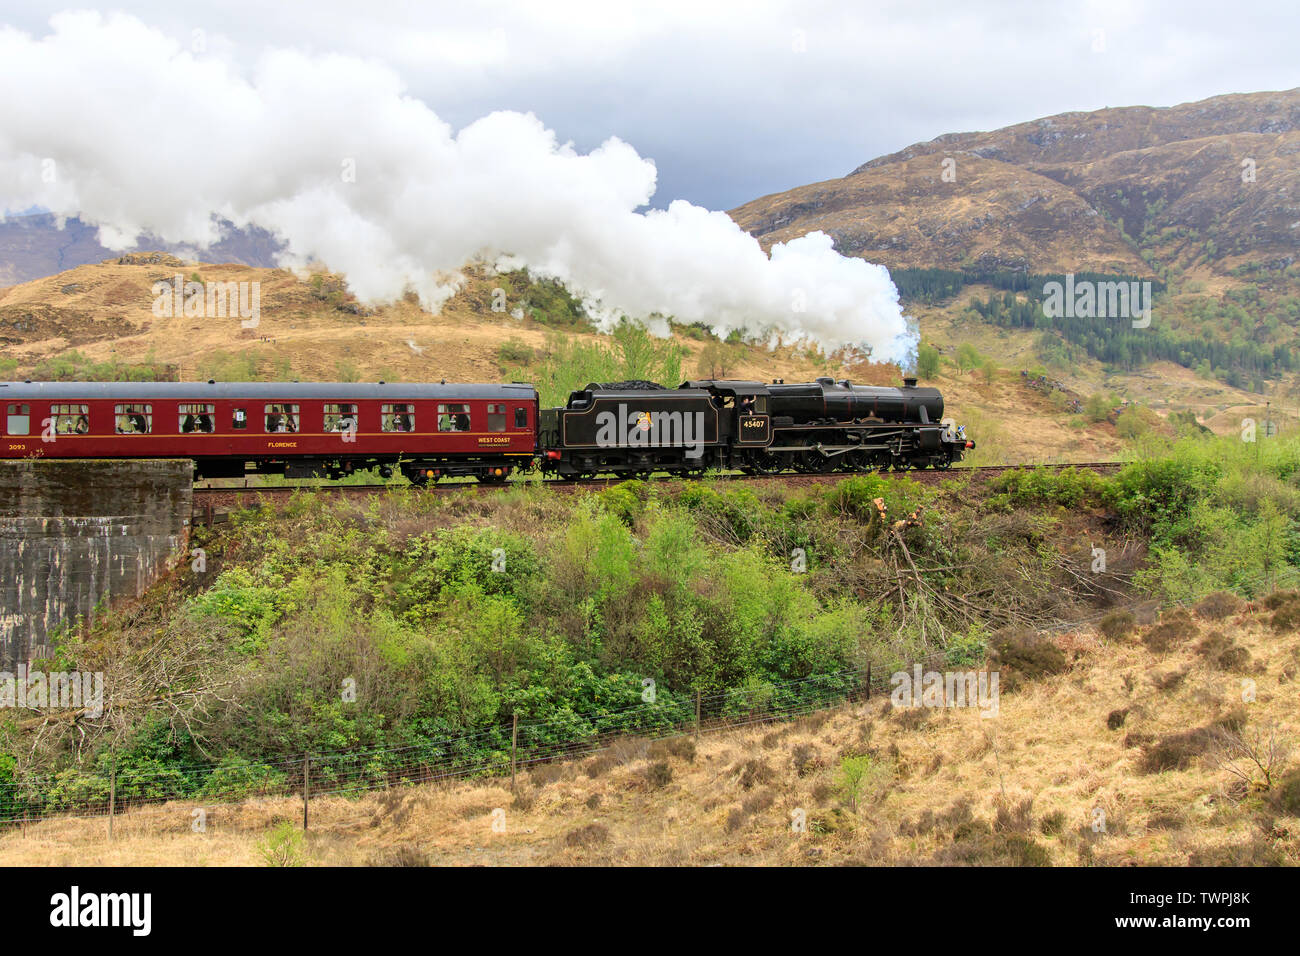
point(18, 420)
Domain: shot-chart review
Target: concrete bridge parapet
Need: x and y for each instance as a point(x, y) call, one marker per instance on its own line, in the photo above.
point(75, 535)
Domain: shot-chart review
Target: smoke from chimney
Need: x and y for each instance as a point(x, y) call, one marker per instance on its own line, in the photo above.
point(110, 120)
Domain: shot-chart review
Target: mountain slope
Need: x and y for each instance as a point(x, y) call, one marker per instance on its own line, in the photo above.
point(1119, 172)
point(34, 246)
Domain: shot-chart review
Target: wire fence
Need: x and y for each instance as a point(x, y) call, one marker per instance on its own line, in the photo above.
point(495, 751)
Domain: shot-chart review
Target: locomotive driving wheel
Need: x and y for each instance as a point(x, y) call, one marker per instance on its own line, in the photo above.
point(764, 463)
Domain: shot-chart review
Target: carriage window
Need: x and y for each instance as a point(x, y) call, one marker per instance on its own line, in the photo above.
point(281, 417)
point(521, 418)
point(133, 419)
point(496, 418)
point(239, 418)
point(200, 418)
point(70, 419)
point(19, 420)
point(398, 417)
point(341, 418)
point(453, 418)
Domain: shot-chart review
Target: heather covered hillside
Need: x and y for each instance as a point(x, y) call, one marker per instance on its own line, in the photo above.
point(443, 617)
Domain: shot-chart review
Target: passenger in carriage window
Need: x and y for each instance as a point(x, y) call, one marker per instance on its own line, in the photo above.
point(83, 425)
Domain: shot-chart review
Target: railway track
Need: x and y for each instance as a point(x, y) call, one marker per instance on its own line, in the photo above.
point(213, 504)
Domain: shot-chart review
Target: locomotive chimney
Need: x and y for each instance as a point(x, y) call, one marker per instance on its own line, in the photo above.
point(909, 382)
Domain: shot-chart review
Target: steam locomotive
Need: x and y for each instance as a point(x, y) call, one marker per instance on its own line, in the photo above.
point(823, 426)
point(484, 431)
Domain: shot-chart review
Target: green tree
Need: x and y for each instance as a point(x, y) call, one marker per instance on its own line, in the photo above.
point(852, 778)
point(927, 362)
point(1097, 407)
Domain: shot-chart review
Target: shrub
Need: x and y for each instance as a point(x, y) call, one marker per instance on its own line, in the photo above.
point(283, 846)
point(1117, 624)
point(1175, 627)
point(1014, 818)
point(1223, 652)
point(1021, 655)
point(758, 802)
point(755, 772)
point(1286, 795)
point(404, 854)
point(1280, 598)
point(1052, 823)
point(804, 759)
point(682, 747)
point(1217, 606)
point(1115, 719)
point(1170, 681)
point(514, 352)
point(854, 773)
point(659, 774)
point(1287, 617)
point(593, 834)
point(1176, 751)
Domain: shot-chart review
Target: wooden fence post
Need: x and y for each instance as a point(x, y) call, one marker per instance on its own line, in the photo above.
point(514, 746)
point(697, 714)
point(306, 788)
point(868, 680)
point(112, 793)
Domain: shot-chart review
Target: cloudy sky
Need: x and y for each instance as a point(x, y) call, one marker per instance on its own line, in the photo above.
point(733, 101)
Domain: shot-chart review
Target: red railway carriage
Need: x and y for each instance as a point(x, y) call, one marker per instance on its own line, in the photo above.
point(301, 430)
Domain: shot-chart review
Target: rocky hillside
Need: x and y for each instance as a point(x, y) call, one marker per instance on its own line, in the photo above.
point(1072, 192)
point(1201, 199)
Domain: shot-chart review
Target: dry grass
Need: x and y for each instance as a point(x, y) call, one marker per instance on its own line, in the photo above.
point(1028, 787)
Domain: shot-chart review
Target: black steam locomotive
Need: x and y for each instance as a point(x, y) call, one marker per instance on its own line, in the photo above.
point(637, 428)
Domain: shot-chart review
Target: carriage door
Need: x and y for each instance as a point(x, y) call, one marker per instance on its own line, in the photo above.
point(18, 420)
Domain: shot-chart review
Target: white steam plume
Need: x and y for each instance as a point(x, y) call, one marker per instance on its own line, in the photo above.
point(112, 121)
